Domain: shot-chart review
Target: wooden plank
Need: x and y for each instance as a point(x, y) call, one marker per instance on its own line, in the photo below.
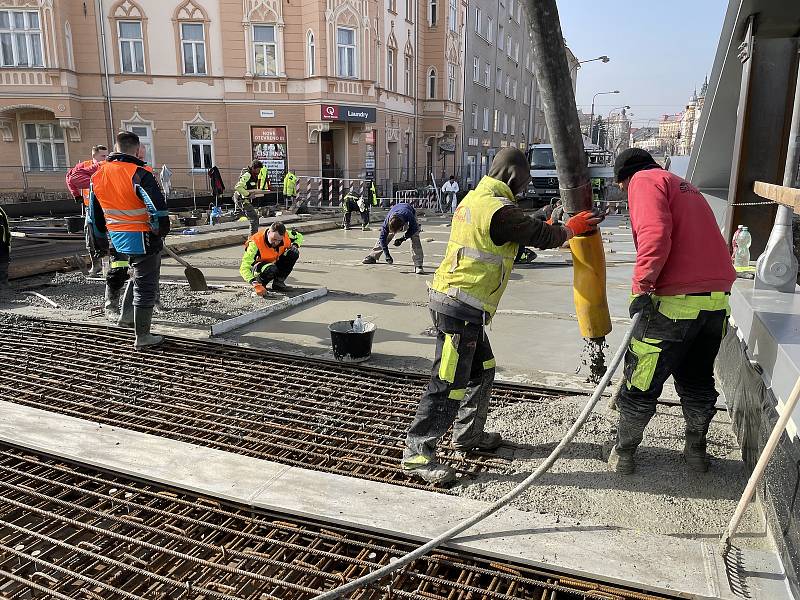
point(786, 196)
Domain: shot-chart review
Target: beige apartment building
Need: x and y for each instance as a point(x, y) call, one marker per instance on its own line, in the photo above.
point(340, 88)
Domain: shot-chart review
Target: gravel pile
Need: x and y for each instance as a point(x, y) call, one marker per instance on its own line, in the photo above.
point(72, 292)
point(662, 497)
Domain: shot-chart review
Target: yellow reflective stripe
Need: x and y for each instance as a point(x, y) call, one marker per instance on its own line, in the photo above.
point(415, 462)
point(646, 361)
point(118, 264)
point(457, 394)
point(683, 307)
point(489, 364)
point(449, 361)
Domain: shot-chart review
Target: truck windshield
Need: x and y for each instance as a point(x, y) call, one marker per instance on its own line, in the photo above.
point(542, 158)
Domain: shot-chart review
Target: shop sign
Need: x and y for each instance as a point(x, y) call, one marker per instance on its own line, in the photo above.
point(269, 146)
point(472, 141)
point(351, 114)
point(369, 137)
point(447, 145)
point(267, 114)
point(369, 157)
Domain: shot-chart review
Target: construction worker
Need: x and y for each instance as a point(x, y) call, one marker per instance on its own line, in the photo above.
point(253, 181)
point(270, 255)
point(5, 248)
point(352, 203)
point(289, 187)
point(81, 196)
point(401, 217)
point(681, 286)
point(127, 209)
point(487, 229)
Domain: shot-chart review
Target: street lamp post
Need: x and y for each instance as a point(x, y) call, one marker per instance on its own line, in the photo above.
point(591, 118)
point(604, 58)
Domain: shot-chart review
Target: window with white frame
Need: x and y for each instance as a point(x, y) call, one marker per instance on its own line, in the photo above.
point(487, 75)
point(478, 20)
point(391, 82)
point(474, 116)
point(516, 52)
point(431, 83)
point(476, 69)
point(311, 49)
point(519, 12)
point(508, 87)
point(193, 45)
point(408, 74)
point(131, 46)
point(453, 15)
point(496, 123)
point(346, 52)
point(505, 123)
point(498, 80)
point(509, 46)
point(514, 89)
point(501, 37)
point(486, 118)
point(70, 45)
point(451, 82)
point(433, 12)
point(513, 124)
point(45, 146)
point(20, 39)
point(200, 147)
point(265, 50)
point(145, 133)
point(410, 10)
point(526, 95)
point(392, 5)
point(510, 8)
point(490, 29)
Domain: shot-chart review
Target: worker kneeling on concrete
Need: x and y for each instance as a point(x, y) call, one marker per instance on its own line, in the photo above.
point(127, 206)
point(401, 218)
point(270, 256)
point(681, 286)
point(488, 228)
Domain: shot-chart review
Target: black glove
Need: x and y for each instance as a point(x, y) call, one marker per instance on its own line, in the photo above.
point(641, 303)
point(399, 241)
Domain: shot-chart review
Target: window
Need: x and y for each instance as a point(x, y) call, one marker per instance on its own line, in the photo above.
point(487, 75)
point(266, 50)
point(490, 29)
point(410, 10)
point(392, 6)
point(514, 90)
point(510, 8)
point(519, 12)
point(451, 82)
point(509, 46)
point(478, 21)
point(496, 126)
point(44, 144)
point(498, 80)
point(433, 12)
point(194, 48)
point(516, 52)
point(476, 69)
point(312, 54)
point(432, 83)
point(508, 87)
point(408, 74)
point(145, 134)
point(526, 95)
point(474, 116)
point(453, 16)
point(346, 52)
point(501, 38)
point(513, 123)
point(200, 146)
point(524, 132)
point(505, 123)
point(131, 46)
point(486, 119)
point(390, 79)
point(20, 39)
point(70, 46)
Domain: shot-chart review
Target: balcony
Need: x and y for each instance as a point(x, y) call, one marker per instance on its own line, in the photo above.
point(28, 77)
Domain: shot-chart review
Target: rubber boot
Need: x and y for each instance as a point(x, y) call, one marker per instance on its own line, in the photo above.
point(126, 316)
point(629, 436)
point(694, 451)
point(142, 318)
point(111, 307)
point(97, 266)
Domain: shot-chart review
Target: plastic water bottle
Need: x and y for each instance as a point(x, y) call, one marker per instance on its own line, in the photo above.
point(358, 324)
point(742, 258)
point(734, 241)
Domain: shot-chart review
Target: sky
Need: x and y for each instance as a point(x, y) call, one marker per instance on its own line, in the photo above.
point(659, 51)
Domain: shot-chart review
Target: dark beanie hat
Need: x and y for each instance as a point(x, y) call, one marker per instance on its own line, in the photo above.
point(512, 168)
point(631, 161)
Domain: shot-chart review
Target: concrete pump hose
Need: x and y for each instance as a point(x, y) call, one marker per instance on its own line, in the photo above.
point(497, 505)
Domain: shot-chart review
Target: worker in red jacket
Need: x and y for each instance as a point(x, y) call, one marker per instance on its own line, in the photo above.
point(681, 286)
point(81, 195)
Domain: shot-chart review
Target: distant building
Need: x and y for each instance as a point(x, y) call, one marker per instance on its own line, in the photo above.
point(647, 139)
point(619, 132)
point(691, 119)
point(669, 130)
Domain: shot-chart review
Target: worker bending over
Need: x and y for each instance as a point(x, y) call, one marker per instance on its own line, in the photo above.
point(127, 209)
point(253, 182)
point(400, 218)
point(681, 285)
point(488, 228)
point(350, 204)
point(270, 255)
point(81, 196)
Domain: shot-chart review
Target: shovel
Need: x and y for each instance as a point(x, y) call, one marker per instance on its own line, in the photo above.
point(195, 277)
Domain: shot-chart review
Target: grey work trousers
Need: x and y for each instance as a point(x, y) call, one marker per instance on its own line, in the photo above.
point(243, 204)
point(459, 391)
point(146, 270)
point(91, 245)
point(416, 248)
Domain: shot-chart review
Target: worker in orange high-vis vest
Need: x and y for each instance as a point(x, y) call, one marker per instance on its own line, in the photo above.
point(127, 206)
point(270, 256)
point(80, 192)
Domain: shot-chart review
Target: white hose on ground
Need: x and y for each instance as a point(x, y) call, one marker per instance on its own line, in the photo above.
point(492, 508)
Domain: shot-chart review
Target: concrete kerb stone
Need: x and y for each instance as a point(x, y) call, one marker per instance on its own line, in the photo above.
point(242, 320)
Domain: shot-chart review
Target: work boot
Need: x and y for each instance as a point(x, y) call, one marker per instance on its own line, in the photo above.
point(279, 285)
point(621, 461)
point(419, 271)
point(369, 260)
point(488, 441)
point(142, 318)
point(126, 316)
point(97, 267)
point(111, 306)
point(365, 228)
point(630, 431)
point(694, 451)
point(429, 471)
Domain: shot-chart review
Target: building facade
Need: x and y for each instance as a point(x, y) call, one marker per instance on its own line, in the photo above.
point(669, 130)
point(339, 88)
point(691, 119)
point(618, 132)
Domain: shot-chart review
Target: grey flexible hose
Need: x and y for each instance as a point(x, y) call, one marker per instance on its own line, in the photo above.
point(497, 505)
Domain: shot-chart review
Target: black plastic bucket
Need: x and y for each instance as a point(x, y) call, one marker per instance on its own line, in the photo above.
point(74, 223)
point(349, 346)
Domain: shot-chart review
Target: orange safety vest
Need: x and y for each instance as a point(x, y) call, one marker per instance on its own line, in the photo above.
point(123, 209)
point(85, 193)
point(266, 253)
